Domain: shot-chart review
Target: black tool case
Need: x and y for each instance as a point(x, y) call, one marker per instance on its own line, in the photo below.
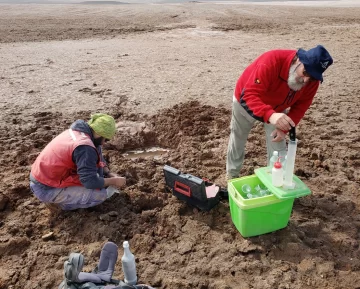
point(189, 188)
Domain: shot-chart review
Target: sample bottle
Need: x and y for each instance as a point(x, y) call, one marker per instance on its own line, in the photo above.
point(250, 196)
point(290, 164)
point(274, 159)
point(277, 174)
point(128, 265)
point(284, 164)
point(246, 189)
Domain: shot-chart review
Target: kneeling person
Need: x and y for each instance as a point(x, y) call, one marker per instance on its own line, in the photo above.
point(71, 172)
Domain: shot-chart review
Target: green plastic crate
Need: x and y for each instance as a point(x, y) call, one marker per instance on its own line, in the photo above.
point(262, 215)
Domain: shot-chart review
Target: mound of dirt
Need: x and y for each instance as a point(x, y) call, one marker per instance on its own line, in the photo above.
point(176, 245)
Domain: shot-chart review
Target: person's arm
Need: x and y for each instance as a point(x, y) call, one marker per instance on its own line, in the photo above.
point(115, 181)
point(85, 157)
point(298, 109)
point(108, 173)
point(258, 83)
point(284, 122)
point(281, 121)
point(106, 170)
point(278, 135)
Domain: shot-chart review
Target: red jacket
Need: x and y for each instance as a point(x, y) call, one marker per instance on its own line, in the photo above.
point(54, 166)
point(262, 89)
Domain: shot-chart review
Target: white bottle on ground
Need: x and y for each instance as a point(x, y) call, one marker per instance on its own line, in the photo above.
point(277, 175)
point(128, 265)
point(273, 159)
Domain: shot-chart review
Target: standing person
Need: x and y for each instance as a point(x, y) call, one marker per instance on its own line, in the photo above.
point(276, 89)
point(70, 172)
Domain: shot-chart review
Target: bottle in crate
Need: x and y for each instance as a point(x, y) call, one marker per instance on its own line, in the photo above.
point(273, 159)
point(277, 174)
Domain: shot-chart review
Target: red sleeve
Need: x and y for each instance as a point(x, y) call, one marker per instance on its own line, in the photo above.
point(257, 84)
point(299, 108)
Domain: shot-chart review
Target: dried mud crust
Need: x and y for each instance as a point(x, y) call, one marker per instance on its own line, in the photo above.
point(81, 22)
point(177, 246)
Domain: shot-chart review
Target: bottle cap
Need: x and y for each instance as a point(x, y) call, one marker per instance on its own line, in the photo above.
point(277, 165)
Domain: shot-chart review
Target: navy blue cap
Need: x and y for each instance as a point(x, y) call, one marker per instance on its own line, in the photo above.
point(316, 61)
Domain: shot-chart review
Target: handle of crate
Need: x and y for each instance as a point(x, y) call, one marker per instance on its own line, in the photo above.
point(182, 189)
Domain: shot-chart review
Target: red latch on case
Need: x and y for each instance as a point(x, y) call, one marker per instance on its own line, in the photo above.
point(182, 189)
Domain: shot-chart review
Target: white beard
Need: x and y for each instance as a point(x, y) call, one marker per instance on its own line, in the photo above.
point(294, 81)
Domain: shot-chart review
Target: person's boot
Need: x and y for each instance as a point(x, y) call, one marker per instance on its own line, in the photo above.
point(123, 285)
point(53, 208)
point(73, 267)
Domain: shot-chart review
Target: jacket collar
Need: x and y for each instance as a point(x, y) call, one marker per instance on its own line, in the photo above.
point(284, 72)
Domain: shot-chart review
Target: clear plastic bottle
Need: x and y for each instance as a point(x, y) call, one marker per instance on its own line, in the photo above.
point(284, 163)
point(246, 189)
point(274, 159)
point(128, 265)
point(277, 174)
point(264, 192)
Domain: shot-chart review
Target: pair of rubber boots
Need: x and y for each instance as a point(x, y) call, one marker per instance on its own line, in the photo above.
point(100, 278)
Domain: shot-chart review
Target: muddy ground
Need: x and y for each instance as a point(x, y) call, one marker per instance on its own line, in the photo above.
point(166, 73)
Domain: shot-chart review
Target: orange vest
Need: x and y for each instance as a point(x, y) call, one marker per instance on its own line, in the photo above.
point(54, 166)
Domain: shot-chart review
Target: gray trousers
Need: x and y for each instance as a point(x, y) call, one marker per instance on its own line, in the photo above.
point(241, 124)
point(69, 198)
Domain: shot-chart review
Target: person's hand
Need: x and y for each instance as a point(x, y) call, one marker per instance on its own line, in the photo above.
point(278, 135)
point(119, 181)
point(112, 175)
point(281, 121)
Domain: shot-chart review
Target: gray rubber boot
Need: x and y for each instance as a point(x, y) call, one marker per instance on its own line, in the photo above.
point(108, 258)
point(73, 267)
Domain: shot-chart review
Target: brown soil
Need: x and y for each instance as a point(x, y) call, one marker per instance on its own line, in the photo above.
point(167, 72)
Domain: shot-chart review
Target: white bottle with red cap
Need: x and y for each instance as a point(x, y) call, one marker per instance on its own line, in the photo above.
point(277, 174)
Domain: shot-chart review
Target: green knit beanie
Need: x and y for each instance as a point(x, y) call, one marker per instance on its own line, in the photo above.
point(103, 124)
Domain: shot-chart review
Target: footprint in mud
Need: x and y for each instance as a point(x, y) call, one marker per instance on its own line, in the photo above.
point(337, 132)
point(325, 136)
point(85, 89)
point(100, 92)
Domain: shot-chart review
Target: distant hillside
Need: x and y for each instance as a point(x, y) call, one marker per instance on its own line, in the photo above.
point(65, 2)
point(103, 2)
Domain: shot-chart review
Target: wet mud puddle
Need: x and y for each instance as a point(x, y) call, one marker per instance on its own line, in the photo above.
point(153, 152)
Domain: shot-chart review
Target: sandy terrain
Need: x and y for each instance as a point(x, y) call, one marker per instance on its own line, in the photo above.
point(167, 73)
